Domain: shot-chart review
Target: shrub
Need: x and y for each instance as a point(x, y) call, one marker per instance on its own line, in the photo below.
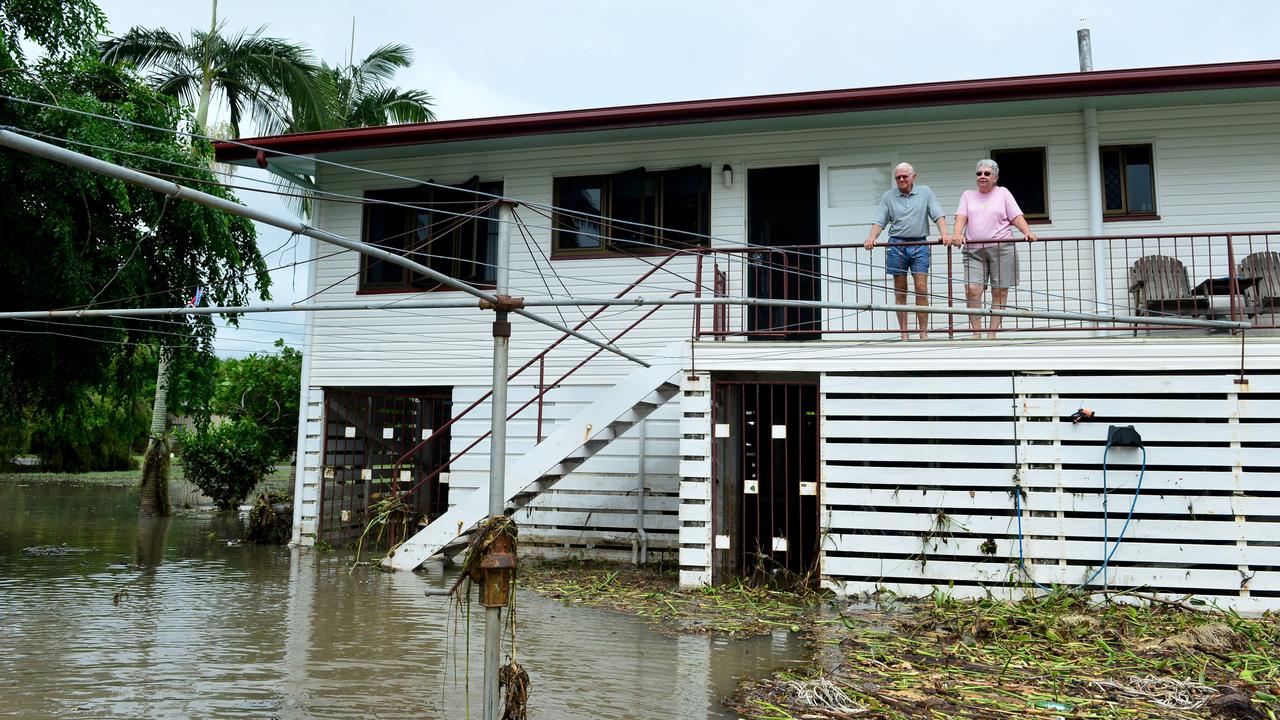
point(226, 460)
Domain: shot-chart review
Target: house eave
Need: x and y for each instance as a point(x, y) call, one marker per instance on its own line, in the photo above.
point(784, 110)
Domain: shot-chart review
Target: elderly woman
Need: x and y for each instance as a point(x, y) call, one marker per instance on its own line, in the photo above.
point(986, 215)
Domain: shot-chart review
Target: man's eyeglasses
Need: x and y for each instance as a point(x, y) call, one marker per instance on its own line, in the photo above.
point(901, 177)
point(984, 173)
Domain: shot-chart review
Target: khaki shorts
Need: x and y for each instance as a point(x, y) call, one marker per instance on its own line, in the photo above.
point(994, 265)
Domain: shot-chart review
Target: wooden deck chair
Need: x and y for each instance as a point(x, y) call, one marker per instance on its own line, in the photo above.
point(1159, 286)
point(1264, 268)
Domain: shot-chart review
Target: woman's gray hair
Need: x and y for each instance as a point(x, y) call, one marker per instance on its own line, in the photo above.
point(988, 162)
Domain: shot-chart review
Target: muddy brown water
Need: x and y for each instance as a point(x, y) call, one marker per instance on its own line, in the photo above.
point(105, 617)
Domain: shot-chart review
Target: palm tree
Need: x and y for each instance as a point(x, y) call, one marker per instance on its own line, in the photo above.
point(360, 95)
point(262, 77)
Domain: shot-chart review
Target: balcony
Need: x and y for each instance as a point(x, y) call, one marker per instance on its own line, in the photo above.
point(1216, 276)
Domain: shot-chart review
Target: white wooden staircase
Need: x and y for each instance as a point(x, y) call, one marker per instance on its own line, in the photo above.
point(571, 444)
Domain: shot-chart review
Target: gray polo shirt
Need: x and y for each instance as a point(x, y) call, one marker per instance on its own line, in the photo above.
point(908, 216)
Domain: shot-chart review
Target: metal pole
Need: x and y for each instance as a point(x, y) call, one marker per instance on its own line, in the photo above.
point(638, 301)
point(74, 159)
point(1093, 178)
point(498, 451)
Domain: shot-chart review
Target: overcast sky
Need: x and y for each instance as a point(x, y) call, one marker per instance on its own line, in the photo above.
point(497, 58)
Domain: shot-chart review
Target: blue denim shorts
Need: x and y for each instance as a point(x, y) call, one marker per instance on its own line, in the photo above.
point(900, 260)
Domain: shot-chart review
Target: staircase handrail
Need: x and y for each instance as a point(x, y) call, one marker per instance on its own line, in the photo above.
point(542, 391)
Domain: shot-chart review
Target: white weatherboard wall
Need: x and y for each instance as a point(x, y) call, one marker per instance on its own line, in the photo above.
point(919, 475)
point(1201, 153)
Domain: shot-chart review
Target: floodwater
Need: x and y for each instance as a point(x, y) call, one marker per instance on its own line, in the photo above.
point(168, 619)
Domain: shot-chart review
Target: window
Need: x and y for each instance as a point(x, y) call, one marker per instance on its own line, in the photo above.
point(1025, 173)
point(1128, 181)
point(595, 213)
point(426, 224)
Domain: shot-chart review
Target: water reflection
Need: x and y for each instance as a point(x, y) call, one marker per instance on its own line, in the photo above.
point(168, 618)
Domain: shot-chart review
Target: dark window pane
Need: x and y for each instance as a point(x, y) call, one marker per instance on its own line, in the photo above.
point(634, 199)
point(486, 249)
point(1112, 181)
point(580, 227)
point(1140, 179)
point(392, 227)
point(685, 207)
point(1022, 172)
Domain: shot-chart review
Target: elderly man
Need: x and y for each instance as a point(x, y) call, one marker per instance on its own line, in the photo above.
point(987, 214)
point(906, 210)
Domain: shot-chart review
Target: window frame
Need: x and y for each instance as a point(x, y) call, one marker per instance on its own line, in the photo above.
point(1124, 213)
point(610, 246)
point(424, 196)
point(1032, 218)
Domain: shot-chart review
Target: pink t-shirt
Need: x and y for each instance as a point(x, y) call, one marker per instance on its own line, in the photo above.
point(989, 215)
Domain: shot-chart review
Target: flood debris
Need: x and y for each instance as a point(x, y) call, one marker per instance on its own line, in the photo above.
point(1057, 656)
point(51, 550)
point(271, 519)
point(513, 683)
point(652, 594)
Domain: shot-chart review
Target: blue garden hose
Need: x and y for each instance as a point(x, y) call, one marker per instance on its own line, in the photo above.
point(1106, 555)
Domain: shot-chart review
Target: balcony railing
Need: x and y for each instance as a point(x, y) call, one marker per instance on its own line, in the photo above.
point(1220, 276)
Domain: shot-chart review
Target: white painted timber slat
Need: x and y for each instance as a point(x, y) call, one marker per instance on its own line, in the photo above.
point(1049, 549)
point(1182, 481)
point(1212, 530)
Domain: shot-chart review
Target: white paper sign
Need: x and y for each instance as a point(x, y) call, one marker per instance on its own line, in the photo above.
point(366, 474)
point(779, 432)
point(751, 487)
point(779, 544)
point(406, 476)
point(328, 473)
point(350, 431)
point(808, 488)
point(722, 430)
point(388, 433)
point(444, 478)
point(722, 542)
point(426, 433)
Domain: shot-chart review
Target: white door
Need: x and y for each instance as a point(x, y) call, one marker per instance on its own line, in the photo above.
point(849, 190)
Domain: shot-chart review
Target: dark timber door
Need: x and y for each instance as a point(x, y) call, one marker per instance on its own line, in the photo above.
point(765, 507)
point(782, 220)
point(375, 445)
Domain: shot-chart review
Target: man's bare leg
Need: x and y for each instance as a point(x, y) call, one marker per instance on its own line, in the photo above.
point(999, 296)
point(900, 297)
point(973, 295)
point(922, 299)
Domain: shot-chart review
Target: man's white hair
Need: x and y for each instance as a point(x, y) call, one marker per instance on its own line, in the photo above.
point(906, 165)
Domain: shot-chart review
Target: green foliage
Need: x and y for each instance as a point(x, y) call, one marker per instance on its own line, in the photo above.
point(226, 460)
point(263, 389)
point(360, 95)
point(71, 238)
point(60, 27)
point(102, 433)
point(254, 75)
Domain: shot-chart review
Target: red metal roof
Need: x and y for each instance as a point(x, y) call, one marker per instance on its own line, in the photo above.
point(1031, 87)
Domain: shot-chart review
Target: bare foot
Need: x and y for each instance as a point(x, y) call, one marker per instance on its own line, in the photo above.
point(924, 336)
point(905, 336)
point(991, 336)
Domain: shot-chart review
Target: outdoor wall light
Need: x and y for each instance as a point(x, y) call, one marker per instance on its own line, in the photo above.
point(727, 172)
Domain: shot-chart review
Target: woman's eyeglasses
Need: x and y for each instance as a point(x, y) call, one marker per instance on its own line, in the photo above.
point(984, 173)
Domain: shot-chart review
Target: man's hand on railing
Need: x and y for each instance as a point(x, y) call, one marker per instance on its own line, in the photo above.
point(870, 243)
point(957, 240)
point(1031, 237)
